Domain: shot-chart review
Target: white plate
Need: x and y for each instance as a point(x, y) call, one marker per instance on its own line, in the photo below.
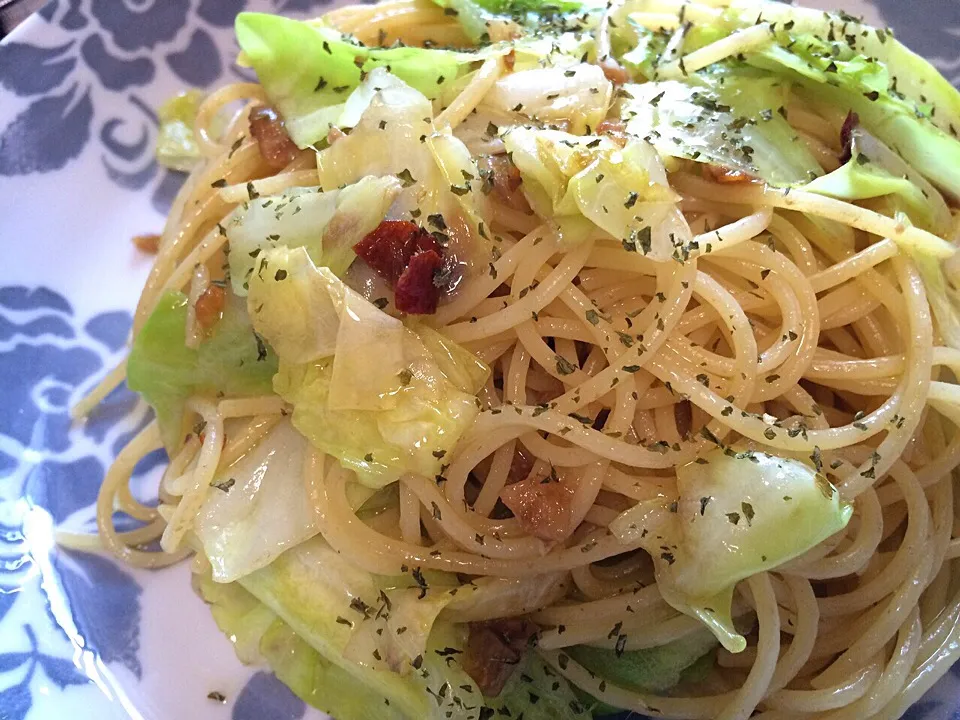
point(81, 637)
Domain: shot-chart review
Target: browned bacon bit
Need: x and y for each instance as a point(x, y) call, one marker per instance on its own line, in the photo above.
point(615, 130)
point(149, 243)
point(389, 247)
point(520, 466)
point(267, 128)
point(209, 306)
point(542, 505)
point(509, 59)
point(614, 71)
point(407, 257)
point(504, 179)
point(846, 135)
point(726, 176)
point(416, 293)
point(683, 415)
point(494, 649)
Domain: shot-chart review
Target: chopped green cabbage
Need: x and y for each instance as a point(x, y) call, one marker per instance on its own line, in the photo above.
point(308, 70)
point(577, 94)
point(310, 608)
point(651, 670)
point(304, 311)
point(328, 224)
point(738, 514)
point(177, 146)
point(874, 170)
point(391, 399)
point(319, 682)
point(429, 415)
point(232, 360)
point(727, 119)
point(261, 506)
point(483, 20)
point(622, 191)
point(370, 149)
point(899, 96)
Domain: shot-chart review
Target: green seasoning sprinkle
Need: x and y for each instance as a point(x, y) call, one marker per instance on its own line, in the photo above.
point(224, 485)
point(564, 366)
point(406, 178)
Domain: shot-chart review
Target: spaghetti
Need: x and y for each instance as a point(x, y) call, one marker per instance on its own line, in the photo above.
point(612, 370)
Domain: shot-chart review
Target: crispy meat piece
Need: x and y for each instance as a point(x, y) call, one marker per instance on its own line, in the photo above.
point(846, 136)
point(616, 130)
point(494, 649)
point(409, 258)
point(209, 306)
point(268, 129)
point(416, 292)
point(149, 243)
point(614, 71)
point(725, 176)
point(503, 178)
point(542, 505)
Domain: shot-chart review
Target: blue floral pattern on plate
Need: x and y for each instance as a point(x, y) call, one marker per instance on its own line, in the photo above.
point(80, 635)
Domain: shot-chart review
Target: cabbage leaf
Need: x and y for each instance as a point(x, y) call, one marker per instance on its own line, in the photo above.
point(177, 147)
point(726, 119)
point(651, 670)
point(308, 70)
point(232, 360)
point(390, 400)
point(737, 515)
point(568, 178)
point(310, 608)
point(261, 506)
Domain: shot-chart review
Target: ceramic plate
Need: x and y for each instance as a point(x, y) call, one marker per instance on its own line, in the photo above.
point(80, 636)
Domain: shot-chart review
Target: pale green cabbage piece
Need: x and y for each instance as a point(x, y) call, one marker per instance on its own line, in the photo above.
point(569, 178)
point(259, 507)
point(577, 94)
point(307, 313)
point(308, 70)
point(309, 608)
point(232, 361)
point(738, 514)
point(726, 119)
point(177, 146)
point(390, 400)
point(485, 19)
point(900, 97)
point(651, 670)
point(429, 416)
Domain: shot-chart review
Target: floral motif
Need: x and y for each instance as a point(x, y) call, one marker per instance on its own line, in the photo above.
point(138, 24)
point(50, 477)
